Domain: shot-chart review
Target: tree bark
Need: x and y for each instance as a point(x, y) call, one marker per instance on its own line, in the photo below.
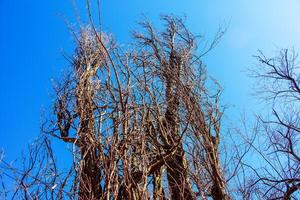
point(90, 173)
point(176, 171)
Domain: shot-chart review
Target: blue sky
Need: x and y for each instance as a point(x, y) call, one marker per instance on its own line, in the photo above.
point(32, 34)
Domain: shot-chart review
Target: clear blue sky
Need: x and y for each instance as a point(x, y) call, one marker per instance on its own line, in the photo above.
point(32, 35)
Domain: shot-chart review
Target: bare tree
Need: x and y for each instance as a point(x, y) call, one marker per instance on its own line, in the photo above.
point(38, 178)
point(278, 175)
point(191, 115)
point(143, 123)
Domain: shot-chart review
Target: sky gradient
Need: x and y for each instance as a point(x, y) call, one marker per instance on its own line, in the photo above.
point(33, 34)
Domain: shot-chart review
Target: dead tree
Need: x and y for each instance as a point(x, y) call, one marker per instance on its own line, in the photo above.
point(142, 122)
point(278, 177)
point(186, 110)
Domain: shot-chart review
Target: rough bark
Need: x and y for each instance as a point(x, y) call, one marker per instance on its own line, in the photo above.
point(176, 171)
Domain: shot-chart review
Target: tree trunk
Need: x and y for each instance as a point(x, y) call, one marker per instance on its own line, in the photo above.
point(90, 172)
point(176, 171)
